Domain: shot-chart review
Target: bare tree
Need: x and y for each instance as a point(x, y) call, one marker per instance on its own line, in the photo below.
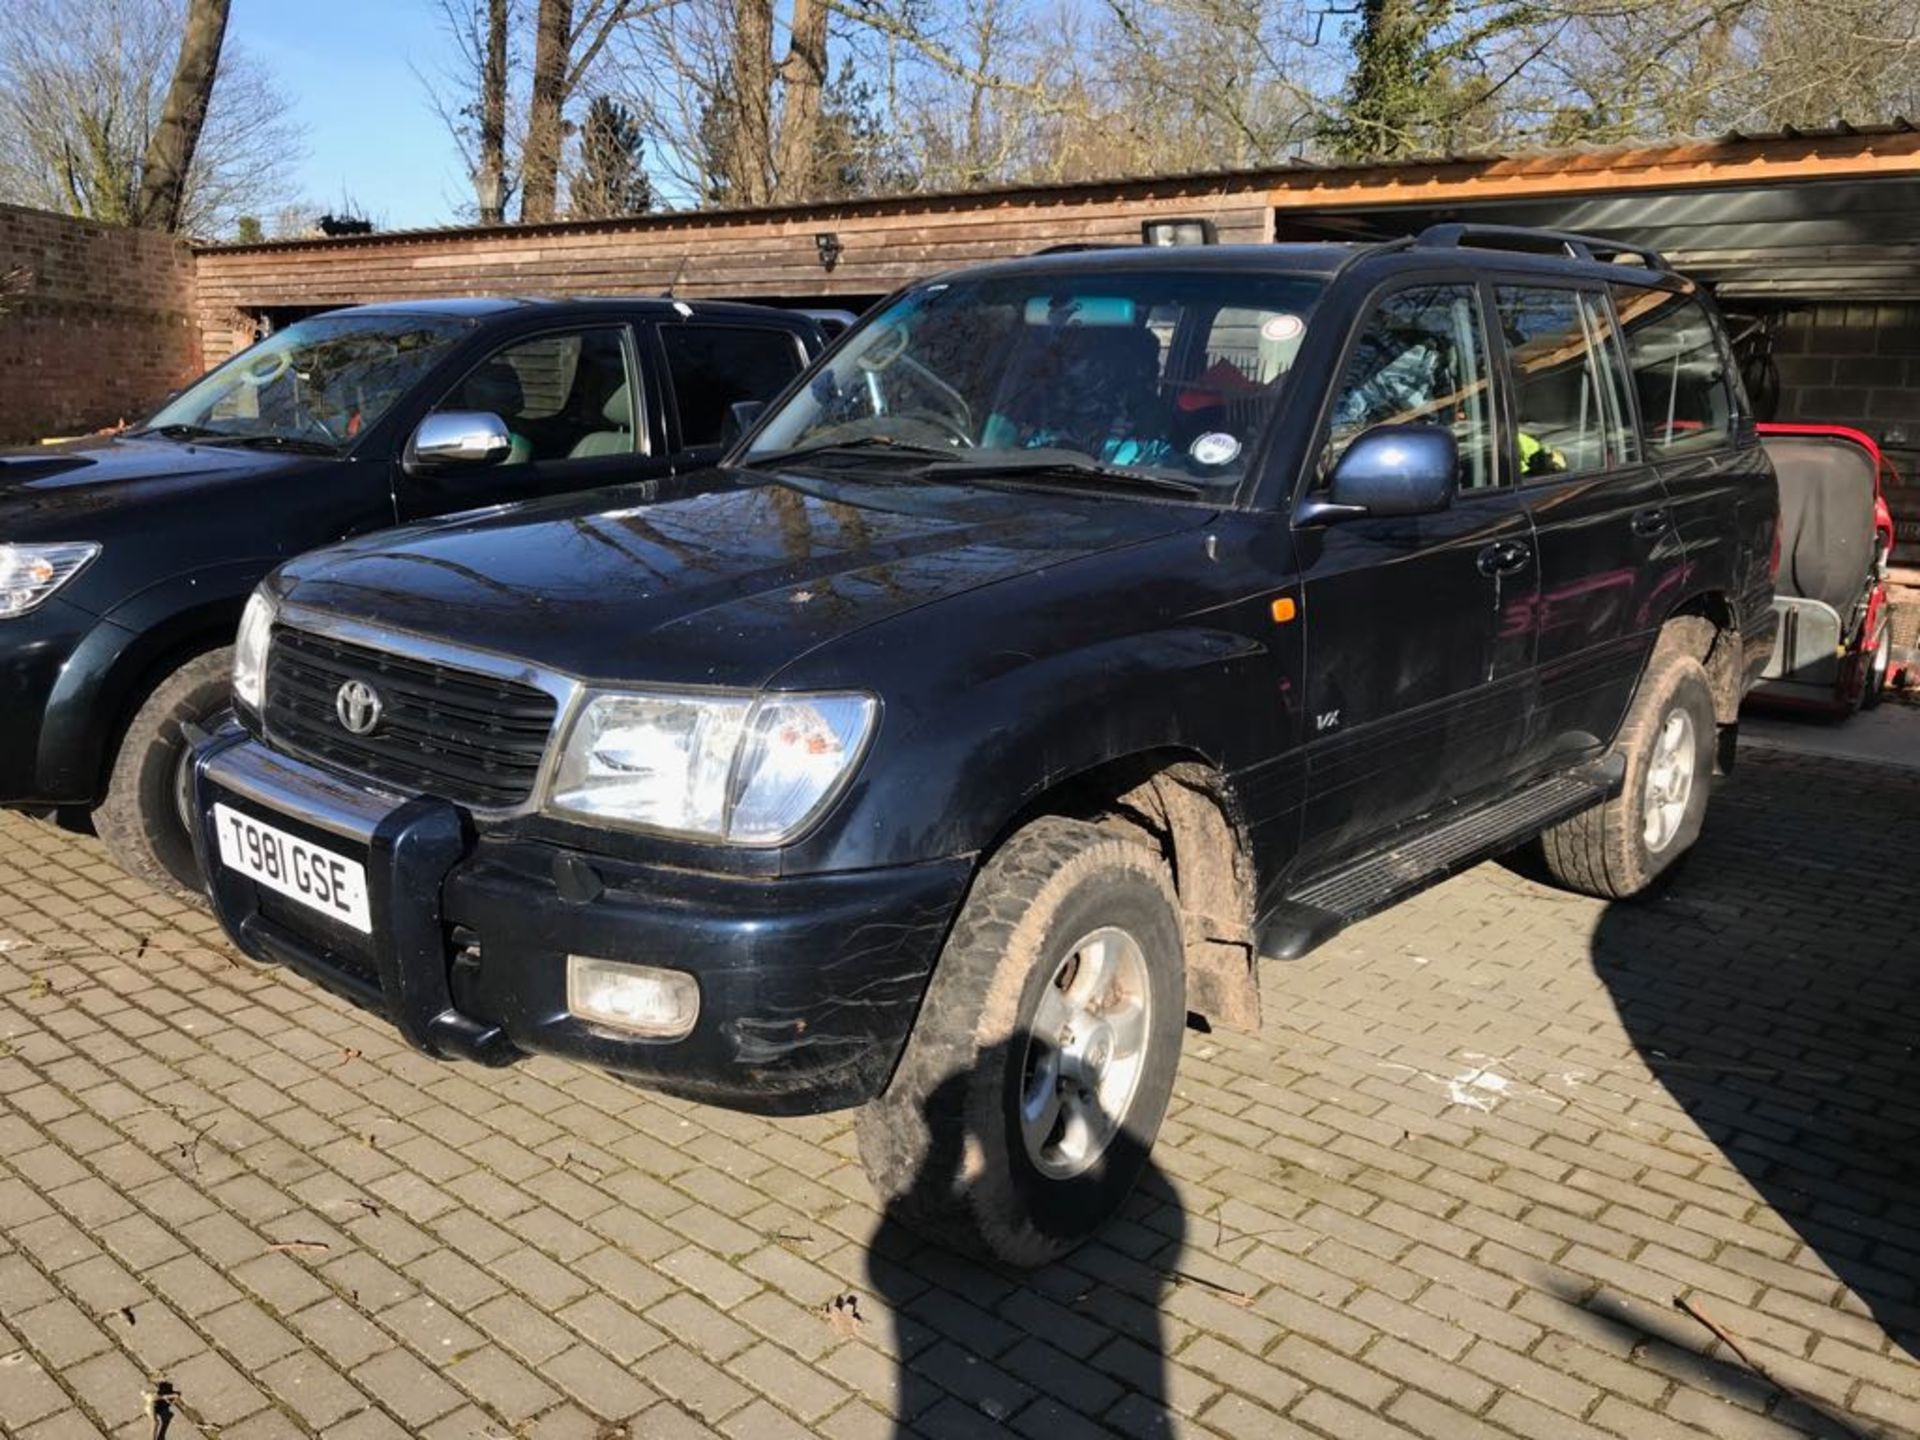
point(473, 94)
point(84, 88)
point(568, 44)
point(183, 116)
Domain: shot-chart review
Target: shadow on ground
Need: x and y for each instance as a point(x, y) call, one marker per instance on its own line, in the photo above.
point(1096, 1345)
point(1774, 989)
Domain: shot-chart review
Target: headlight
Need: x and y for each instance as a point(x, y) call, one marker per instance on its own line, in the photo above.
point(30, 573)
point(753, 771)
point(250, 651)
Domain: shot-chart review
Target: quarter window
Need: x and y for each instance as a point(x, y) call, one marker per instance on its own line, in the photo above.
point(1568, 409)
point(1422, 360)
point(563, 397)
point(714, 366)
point(1680, 371)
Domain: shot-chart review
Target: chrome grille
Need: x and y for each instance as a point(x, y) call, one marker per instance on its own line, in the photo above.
point(472, 738)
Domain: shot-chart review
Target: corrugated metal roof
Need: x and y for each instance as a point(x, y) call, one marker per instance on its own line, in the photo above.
point(1236, 179)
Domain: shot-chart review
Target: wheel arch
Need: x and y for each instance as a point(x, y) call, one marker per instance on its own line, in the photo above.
point(123, 686)
point(1706, 625)
point(1182, 804)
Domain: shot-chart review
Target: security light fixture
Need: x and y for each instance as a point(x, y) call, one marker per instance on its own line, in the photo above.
point(827, 244)
point(1178, 232)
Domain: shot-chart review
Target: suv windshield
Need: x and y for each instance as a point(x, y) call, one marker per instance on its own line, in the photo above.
point(1162, 373)
point(320, 382)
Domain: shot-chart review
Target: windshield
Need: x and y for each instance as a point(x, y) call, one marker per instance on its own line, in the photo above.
point(320, 382)
point(1162, 373)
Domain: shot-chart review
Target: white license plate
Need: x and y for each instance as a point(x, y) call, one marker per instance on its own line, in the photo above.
point(319, 879)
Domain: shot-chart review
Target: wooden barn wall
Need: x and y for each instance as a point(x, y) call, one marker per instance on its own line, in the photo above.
point(744, 258)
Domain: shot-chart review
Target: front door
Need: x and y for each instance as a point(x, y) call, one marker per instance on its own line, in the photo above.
point(1600, 514)
point(1419, 631)
point(576, 406)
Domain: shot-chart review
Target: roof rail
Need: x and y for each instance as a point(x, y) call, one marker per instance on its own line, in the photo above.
point(1524, 237)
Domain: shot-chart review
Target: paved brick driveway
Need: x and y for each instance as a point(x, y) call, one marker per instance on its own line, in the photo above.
point(1452, 1190)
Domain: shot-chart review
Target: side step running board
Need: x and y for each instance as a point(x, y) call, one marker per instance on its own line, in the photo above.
point(1319, 910)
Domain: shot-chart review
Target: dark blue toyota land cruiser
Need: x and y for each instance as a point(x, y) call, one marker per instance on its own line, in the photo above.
point(1078, 630)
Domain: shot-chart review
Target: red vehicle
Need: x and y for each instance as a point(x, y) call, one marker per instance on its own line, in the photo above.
point(1833, 650)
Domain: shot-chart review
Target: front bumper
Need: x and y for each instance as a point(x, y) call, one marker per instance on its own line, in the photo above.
point(808, 985)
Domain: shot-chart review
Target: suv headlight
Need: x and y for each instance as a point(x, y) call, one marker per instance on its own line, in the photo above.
point(30, 573)
point(754, 771)
point(250, 651)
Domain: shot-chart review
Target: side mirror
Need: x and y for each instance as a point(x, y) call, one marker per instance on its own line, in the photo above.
point(1394, 470)
point(449, 439)
point(741, 416)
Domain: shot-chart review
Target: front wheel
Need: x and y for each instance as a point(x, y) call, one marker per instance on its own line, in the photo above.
point(145, 819)
point(1620, 848)
point(1044, 1055)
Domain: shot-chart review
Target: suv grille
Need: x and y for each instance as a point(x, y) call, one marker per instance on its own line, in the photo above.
point(453, 733)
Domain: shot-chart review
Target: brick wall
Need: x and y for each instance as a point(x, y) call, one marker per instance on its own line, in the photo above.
point(102, 326)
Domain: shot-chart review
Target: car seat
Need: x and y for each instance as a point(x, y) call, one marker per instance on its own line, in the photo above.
point(495, 389)
point(1827, 542)
point(1081, 386)
point(618, 440)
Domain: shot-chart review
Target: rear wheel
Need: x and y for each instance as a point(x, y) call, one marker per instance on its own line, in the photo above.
point(1044, 1055)
point(146, 818)
point(1618, 849)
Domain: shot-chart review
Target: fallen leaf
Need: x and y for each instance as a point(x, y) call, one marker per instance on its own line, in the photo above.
point(842, 1314)
point(289, 1246)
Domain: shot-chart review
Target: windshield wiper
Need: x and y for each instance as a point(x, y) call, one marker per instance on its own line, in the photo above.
point(857, 442)
point(280, 442)
point(1069, 467)
point(179, 432)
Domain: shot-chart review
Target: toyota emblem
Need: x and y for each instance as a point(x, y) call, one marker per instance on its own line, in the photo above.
point(358, 707)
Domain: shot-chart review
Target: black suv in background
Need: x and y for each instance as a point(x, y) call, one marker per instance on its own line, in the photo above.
point(1078, 630)
point(125, 560)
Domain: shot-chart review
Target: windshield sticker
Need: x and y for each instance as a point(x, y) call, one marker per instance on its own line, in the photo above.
point(1283, 328)
point(1216, 447)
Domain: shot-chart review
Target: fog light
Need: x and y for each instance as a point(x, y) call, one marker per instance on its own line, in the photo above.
point(643, 999)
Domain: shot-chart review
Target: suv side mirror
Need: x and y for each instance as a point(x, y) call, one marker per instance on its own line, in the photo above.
point(1394, 470)
point(449, 439)
point(740, 418)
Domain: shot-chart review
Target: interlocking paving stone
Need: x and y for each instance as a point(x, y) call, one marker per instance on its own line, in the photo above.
point(218, 1175)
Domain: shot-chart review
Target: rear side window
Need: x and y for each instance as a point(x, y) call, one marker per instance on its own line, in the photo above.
point(1421, 359)
point(1569, 416)
point(713, 366)
point(1680, 370)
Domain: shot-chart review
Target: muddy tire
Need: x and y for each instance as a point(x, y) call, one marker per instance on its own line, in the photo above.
point(141, 819)
point(1043, 1058)
point(1619, 849)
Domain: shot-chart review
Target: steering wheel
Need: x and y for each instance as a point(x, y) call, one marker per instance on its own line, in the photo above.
point(265, 369)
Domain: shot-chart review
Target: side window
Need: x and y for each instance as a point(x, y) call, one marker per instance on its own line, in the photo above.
point(1422, 360)
point(1680, 370)
point(563, 397)
point(1567, 416)
point(712, 366)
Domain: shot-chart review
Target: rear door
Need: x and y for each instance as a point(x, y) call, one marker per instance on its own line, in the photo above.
point(575, 400)
point(1601, 523)
point(1419, 630)
point(1696, 429)
point(708, 366)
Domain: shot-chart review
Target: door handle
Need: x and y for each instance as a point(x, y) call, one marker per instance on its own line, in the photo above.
point(1649, 523)
point(1504, 557)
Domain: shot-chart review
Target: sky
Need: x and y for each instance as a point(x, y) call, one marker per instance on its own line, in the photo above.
point(347, 68)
